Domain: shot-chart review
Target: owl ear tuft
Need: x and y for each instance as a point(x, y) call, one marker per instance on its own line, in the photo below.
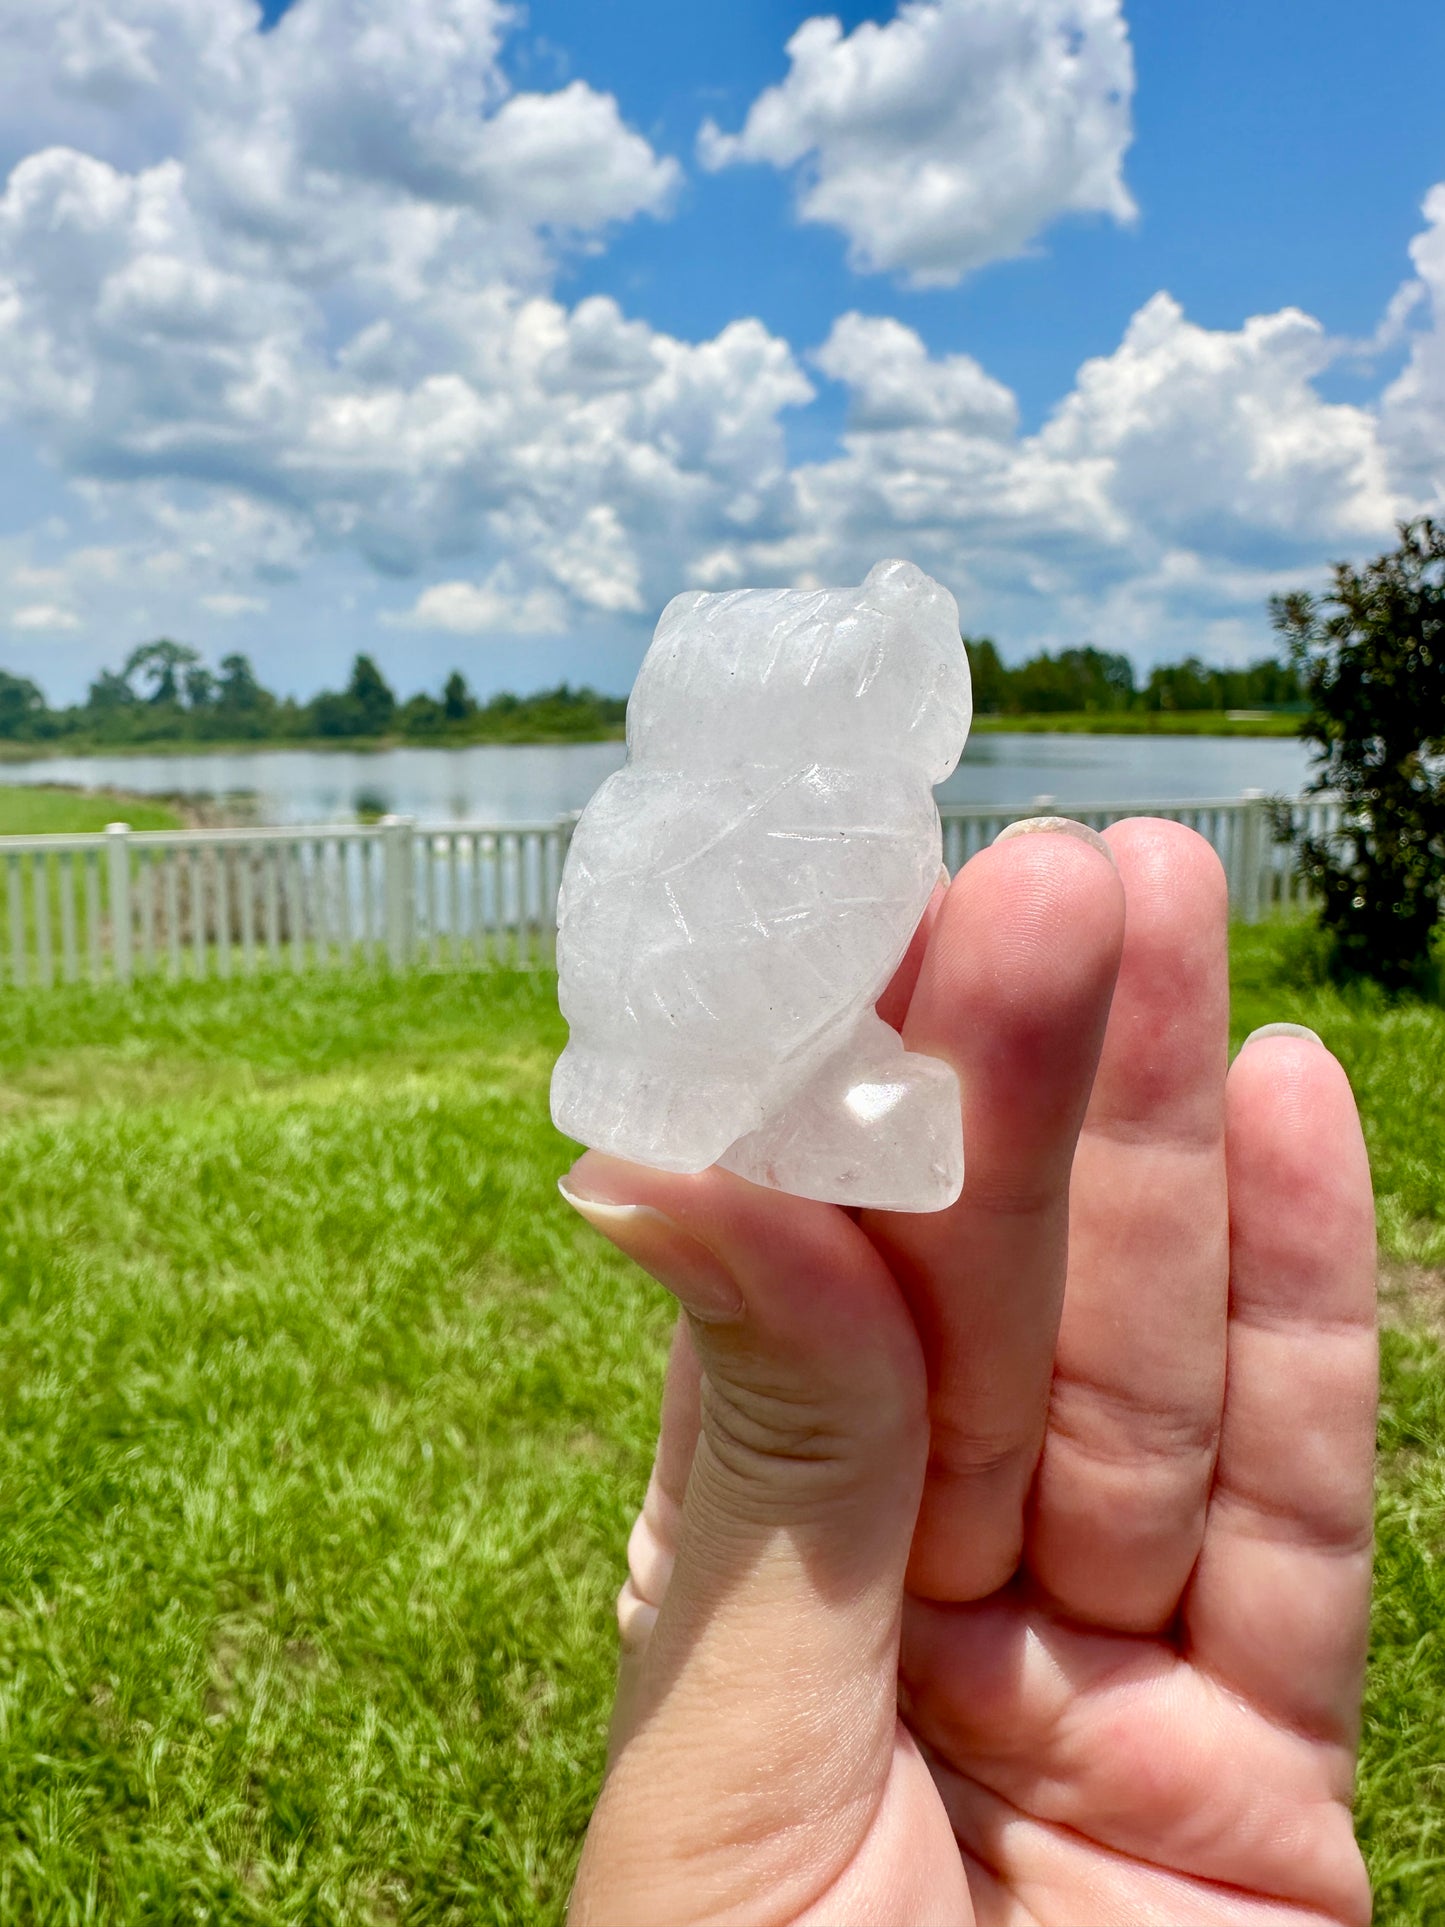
point(894, 578)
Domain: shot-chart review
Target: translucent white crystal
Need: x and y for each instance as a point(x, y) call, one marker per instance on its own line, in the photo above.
point(736, 899)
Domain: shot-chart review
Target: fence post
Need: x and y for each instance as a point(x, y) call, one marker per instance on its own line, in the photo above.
point(1252, 833)
point(561, 843)
point(121, 922)
point(399, 865)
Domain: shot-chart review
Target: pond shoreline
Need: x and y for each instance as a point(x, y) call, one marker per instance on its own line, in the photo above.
point(178, 746)
point(1187, 722)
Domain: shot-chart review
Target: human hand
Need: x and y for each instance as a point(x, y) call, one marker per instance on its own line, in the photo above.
point(1010, 1565)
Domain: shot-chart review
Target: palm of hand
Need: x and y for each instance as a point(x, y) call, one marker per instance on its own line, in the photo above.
point(1125, 1394)
point(1075, 1776)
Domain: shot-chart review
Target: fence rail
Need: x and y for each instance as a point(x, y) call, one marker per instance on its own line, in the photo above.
point(1263, 875)
point(125, 903)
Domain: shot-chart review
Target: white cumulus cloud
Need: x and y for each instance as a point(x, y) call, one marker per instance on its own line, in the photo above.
point(228, 605)
point(1218, 438)
point(895, 383)
point(494, 606)
point(328, 302)
point(953, 134)
point(282, 307)
point(1182, 479)
point(44, 618)
point(1413, 408)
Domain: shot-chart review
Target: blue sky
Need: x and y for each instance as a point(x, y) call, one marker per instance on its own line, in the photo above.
point(424, 327)
point(1271, 168)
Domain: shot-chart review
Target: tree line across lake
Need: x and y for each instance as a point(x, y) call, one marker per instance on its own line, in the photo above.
point(164, 693)
point(1091, 681)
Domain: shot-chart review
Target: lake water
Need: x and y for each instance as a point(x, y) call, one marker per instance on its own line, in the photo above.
point(532, 783)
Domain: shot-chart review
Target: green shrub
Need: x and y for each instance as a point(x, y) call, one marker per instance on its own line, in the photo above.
point(1371, 657)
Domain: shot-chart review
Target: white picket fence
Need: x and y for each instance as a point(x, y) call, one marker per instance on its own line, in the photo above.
point(1263, 876)
point(124, 903)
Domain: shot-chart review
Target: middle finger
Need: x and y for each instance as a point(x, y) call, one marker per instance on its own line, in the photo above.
point(1118, 1509)
point(1013, 992)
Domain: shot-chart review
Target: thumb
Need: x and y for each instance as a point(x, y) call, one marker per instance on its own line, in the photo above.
point(764, 1709)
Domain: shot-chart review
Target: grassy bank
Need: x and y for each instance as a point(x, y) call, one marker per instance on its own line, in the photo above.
point(322, 1424)
point(27, 810)
point(17, 752)
point(1143, 722)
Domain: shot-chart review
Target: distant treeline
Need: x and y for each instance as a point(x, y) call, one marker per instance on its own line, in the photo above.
point(165, 693)
point(1095, 681)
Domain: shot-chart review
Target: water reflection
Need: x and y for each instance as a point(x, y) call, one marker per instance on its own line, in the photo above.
point(496, 783)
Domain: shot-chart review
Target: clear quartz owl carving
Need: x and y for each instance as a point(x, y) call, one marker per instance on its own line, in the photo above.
point(738, 896)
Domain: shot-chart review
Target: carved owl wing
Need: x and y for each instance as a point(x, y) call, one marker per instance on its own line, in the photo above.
point(736, 916)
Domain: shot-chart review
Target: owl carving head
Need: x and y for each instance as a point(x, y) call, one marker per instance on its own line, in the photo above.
point(775, 676)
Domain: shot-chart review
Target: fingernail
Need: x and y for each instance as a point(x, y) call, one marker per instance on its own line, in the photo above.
point(1055, 826)
point(1284, 1030)
point(694, 1276)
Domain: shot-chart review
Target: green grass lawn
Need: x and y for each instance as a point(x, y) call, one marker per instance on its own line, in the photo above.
point(324, 1423)
point(36, 810)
